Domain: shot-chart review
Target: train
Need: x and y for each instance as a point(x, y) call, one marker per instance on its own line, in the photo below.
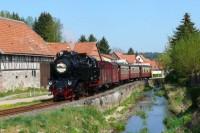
point(73, 74)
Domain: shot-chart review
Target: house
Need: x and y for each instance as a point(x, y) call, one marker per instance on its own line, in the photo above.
point(56, 47)
point(24, 56)
point(123, 58)
point(88, 48)
point(107, 57)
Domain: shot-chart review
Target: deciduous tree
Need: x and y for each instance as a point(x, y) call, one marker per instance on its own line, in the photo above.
point(48, 27)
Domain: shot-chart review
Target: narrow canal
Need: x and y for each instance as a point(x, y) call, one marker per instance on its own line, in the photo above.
point(149, 115)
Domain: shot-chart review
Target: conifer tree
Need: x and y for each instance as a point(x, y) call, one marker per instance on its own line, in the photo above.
point(183, 30)
point(82, 39)
point(91, 38)
point(130, 51)
point(103, 46)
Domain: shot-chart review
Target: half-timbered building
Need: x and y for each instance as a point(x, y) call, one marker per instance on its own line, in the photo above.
point(24, 56)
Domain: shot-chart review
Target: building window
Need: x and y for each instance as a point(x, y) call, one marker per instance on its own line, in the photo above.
point(34, 73)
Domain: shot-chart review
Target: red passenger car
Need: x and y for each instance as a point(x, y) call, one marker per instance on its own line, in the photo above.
point(123, 72)
point(145, 71)
point(134, 72)
point(106, 69)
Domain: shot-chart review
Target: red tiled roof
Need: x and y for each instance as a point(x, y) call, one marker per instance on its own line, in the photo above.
point(18, 38)
point(107, 56)
point(129, 58)
point(89, 48)
point(57, 47)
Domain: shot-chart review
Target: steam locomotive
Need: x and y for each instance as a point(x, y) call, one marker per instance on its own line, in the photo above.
point(73, 74)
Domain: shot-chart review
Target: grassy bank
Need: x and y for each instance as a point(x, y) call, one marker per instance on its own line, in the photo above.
point(21, 104)
point(75, 119)
point(23, 92)
point(181, 104)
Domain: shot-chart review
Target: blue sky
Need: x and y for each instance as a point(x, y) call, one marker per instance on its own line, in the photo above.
point(143, 25)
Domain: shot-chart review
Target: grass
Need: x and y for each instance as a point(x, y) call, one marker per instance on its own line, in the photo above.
point(34, 91)
point(68, 120)
point(141, 114)
point(144, 130)
point(177, 124)
point(160, 93)
point(10, 106)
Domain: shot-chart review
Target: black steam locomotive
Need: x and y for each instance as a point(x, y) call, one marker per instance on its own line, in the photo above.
point(70, 71)
point(74, 74)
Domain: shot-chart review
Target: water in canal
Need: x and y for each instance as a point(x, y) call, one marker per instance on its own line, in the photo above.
point(155, 109)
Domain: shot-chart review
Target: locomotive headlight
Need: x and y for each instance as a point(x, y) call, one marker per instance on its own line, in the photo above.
point(69, 82)
point(61, 67)
point(50, 83)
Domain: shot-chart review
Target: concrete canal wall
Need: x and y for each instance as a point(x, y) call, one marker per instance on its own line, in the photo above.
point(110, 98)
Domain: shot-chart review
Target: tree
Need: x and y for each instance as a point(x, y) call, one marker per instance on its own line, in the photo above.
point(30, 21)
point(48, 28)
point(187, 56)
point(82, 39)
point(57, 30)
point(170, 59)
point(91, 38)
point(130, 51)
point(184, 29)
point(12, 15)
point(103, 46)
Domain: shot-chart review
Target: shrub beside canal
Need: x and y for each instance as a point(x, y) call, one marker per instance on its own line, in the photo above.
point(185, 118)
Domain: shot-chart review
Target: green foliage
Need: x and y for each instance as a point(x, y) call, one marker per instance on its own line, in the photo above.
point(118, 126)
point(160, 93)
point(186, 56)
point(83, 39)
point(48, 27)
point(130, 51)
point(175, 124)
point(141, 114)
point(30, 21)
point(144, 130)
point(178, 99)
point(183, 30)
point(22, 90)
point(12, 15)
point(92, 38)
point(69, 120)
point(181, 59)
point(103, 46)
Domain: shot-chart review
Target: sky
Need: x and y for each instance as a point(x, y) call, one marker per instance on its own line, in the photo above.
point(144, 25)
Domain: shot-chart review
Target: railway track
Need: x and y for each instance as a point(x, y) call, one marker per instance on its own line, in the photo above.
point(18, 110)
